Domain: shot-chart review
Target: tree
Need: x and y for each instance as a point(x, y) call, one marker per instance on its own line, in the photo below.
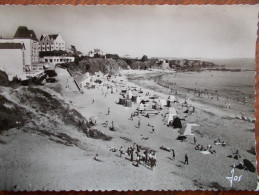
point(144, 58)
point(73, 50)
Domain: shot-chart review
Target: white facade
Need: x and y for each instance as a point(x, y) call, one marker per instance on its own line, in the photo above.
point(12, 62)
point(53, 60)
point(31, 52)
point(51, 43)
point(95, 51)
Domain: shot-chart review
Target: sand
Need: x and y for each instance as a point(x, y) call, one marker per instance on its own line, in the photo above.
point(33, 162)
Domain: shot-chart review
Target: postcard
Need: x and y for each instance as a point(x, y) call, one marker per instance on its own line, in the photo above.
point(128, 97)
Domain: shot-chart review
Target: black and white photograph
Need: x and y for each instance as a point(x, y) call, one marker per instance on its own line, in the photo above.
point(128, 97)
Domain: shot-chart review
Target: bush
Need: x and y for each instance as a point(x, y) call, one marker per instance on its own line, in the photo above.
point(3, 79)
point(51, 73)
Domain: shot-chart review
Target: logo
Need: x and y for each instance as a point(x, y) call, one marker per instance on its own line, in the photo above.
point(234, 177)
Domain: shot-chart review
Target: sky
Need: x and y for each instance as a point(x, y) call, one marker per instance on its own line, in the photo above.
point(156, 31)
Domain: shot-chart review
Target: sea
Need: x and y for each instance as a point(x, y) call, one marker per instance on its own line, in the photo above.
point(230, 84)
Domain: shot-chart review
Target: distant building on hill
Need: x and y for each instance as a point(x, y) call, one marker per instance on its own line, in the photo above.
point(51, 42)
point(95, 52)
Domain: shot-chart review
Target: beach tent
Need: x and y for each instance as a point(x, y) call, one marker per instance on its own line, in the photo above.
point(188, 129)
point(158, 105)
point(170, 117)
point(141, 107)
point(134, 98)
point(177, 123)
point(128, 103)
point(138, 99)
point(163, 102)
point(129, 94)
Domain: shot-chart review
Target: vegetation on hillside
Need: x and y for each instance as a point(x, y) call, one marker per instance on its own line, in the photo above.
point(41, 110)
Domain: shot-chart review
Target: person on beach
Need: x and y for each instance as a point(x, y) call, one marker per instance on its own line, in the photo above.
point(93, 100)
point(173, 153)
point(138, 150)
point(95, 158)
point(131, 116)
point(186, 162)
point(153, 129)
point(105, 124)
point(108, 110)
point(139, 123)
point(194, 141)
point(138, 160)
point(131, 154)
point(146, 155)
point(121, 151)
point(112, 128)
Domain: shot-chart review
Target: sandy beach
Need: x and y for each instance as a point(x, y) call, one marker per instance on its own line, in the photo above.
point(37, 163)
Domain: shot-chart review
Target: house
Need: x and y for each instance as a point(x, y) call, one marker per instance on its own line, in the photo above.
point(52, 61)
point(51, 42)
point(12, 59)
point(28, 38)
point(95, 52)
point(164, 63)
point(30, 62)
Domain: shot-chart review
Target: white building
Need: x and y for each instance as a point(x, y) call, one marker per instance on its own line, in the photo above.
point(51, 42)
point(12, 59)
point(95, 52)
point(29, 39)
point(51, 61)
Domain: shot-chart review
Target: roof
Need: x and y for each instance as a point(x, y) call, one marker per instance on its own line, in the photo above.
point(11, 46)
point(54, 36)
point(25, 33)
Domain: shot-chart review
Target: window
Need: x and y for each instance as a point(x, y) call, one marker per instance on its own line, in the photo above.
point(50, 60)
point(46, 60)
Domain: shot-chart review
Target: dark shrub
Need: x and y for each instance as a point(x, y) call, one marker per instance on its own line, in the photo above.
point(50, 73)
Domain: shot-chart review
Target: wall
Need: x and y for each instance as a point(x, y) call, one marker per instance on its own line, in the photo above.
point(11, 61)
point(31, 52)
